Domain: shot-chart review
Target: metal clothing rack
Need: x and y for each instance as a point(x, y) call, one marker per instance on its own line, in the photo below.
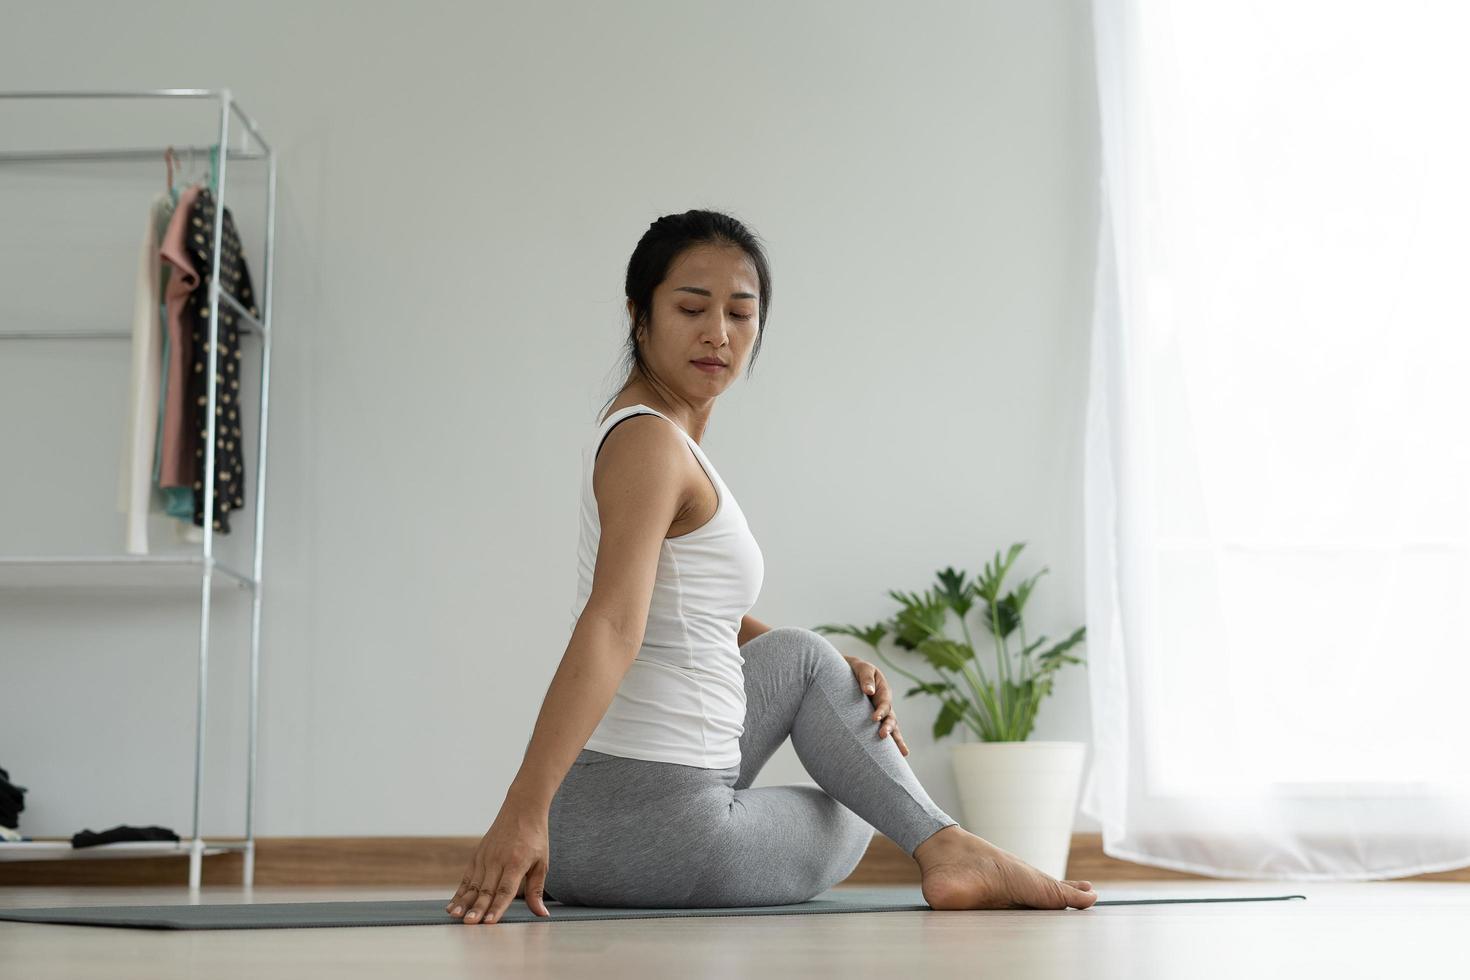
point(27, 571)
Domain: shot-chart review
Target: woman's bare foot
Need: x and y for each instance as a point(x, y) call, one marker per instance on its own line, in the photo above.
point(962, 871)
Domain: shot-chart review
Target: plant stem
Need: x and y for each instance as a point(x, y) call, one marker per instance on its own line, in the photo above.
point(1021, 624)
point(982, 694)
point(971, 643)
point(983, 689)
point(1003, 667)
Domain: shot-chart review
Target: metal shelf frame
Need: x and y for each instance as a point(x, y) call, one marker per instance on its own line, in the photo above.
point(206, 562)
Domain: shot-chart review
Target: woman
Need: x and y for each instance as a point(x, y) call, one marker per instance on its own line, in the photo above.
point(637, 778)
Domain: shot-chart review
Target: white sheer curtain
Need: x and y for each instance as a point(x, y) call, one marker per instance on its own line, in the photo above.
point(1278, 467)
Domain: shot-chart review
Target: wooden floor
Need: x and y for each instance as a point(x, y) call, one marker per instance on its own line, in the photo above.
point(1371, 929)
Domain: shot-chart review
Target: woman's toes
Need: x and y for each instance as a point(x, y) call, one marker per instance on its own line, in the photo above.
point(1083, 898)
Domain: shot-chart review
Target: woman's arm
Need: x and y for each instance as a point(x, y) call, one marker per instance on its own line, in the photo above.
point(639, 482)
point(750, 628)
point(580, 692)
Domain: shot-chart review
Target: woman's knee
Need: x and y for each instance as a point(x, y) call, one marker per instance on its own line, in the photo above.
point(794, 634)
point(817, 647)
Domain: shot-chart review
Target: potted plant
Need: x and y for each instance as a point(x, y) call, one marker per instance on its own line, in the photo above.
point(1019, 795)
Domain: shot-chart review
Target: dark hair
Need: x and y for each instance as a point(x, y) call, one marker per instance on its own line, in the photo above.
point(664, 241)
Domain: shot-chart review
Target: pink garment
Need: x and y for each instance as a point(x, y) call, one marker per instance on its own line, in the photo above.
point(176, 454)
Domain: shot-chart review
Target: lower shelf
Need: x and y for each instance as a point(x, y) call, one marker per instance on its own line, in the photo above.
point(62, 850)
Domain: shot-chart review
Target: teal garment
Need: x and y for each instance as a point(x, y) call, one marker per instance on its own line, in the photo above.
point(179, 502)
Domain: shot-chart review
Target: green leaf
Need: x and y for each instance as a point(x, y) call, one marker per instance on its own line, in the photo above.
point(946, 653)
point(930, 687)
point(994, 575)
point(919, 619)
point(872, 635)
point(952, 712)
point(1005, 613)
point(1064, 645)
point(1023, 591)
point(956, 591)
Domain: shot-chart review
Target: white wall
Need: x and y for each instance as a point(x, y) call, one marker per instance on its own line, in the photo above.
point(460, 188)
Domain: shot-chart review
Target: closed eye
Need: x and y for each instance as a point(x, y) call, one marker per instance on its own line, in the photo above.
point(738, 316)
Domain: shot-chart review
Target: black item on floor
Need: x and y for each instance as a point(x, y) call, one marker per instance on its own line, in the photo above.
point(89, 838)
point(12, 801)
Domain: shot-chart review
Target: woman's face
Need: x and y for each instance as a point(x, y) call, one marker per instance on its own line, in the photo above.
point(708, 306)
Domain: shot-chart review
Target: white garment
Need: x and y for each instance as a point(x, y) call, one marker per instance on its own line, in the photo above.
point(140, 427)
point(683, 698)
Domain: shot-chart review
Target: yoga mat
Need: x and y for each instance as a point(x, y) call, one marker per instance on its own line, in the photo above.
point(430, 911)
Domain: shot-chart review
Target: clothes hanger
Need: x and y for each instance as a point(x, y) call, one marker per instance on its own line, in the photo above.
point(196, 175)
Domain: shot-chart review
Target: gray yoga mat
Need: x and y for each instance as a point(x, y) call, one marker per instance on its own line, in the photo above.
point(430, 911)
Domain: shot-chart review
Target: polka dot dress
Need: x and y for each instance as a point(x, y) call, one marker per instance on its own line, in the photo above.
point(229, 457)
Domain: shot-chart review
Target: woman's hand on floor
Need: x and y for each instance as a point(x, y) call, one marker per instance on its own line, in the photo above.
point(875, 685)
point(515, 848)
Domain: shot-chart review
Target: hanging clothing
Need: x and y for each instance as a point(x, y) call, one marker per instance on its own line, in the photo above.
point(229, 457)
point(176, 452)
point(176, 501)
point(135, 474)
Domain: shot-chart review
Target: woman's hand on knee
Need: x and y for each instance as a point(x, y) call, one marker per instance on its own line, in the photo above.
point(875, 685)
point(515, 848)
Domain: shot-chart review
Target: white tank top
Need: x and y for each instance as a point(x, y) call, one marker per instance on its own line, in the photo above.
point(683, 698)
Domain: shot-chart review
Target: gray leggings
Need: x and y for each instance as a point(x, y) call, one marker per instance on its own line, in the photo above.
point(634, 833)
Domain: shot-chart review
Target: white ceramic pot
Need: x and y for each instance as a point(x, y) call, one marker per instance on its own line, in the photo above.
point(1022, 797)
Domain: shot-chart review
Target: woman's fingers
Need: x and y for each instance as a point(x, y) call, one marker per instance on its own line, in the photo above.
point(505, 893)
point(863, 671)
point(876, 686)
point(890, 727)
point(455, 897)
point(467, 890)
point(884, 695)
point(475, 911)
point(535, 890)
point(889, 724)
point(489, 904)
point(516, 843)
point(465, 895)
